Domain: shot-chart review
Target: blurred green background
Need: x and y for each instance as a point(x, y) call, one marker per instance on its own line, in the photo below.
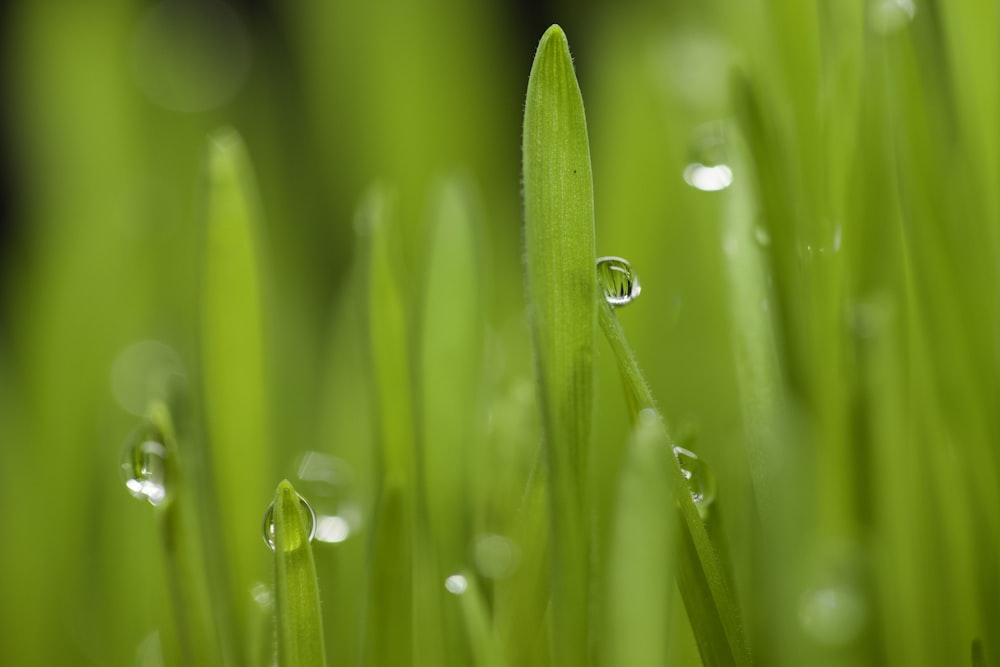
point(850, 150)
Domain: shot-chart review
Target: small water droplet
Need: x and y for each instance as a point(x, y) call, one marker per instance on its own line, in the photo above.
point(268, 524)
point(144, 465)
point(888, 16)
point(619, 282)
point(496, 556)
point(708, 178)
point(833, 615)
point(699, 477)
point(262, 595)
point(709, 168)
point(762, 237)
point(149, 652)
point(456, 584)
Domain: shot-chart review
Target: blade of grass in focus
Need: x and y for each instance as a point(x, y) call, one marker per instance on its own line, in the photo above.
point(232, 354)
point(559, 253)
point(296, 590)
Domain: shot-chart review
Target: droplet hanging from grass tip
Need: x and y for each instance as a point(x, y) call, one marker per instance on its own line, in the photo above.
point(618, 281)
point(144, 466)
point(268, 525)
point(699, 477)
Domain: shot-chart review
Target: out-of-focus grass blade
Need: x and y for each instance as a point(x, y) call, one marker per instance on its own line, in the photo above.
point(388, 622)
point(299, 621)
point(705, 585)
point(641, 559)
point(562, 289)
point(418, 589)
point(184, 557)
point(232, 351)
point(451, 354)
point(486, 652)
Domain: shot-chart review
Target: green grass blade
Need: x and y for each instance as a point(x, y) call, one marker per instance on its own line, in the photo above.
point(485, 651)
point(559, 252)
point(641, 558)
point(232, 351)
point(704, 583)
point(300, 623)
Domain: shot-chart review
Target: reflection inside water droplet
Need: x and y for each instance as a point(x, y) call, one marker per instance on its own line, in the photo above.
point(268, 524)
point(456, 584)
point(619, 283)
point(699, 477)
point(328, 481)
point(144, 466)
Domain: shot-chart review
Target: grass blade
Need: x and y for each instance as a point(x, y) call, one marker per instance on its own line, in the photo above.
point(704, 583)
point(300, 623)
point(559, 252)
point(232, 351)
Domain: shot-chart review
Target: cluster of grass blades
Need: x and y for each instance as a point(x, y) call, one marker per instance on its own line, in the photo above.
point(484, 479)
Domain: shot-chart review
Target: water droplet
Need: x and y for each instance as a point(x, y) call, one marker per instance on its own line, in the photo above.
point(149, 652)
point(268, 525)
point(619, 282)
point(191, 56)
point(262, 595)
point(730, 245)
point(888, 16)
point(496, 556)
point(709, 168)
point(762, 237)
point(144, 465)
point(329, 483)
point(456, 584)
point(708, 178)
point(699, 477)
point(142, 372)
point(833, 615)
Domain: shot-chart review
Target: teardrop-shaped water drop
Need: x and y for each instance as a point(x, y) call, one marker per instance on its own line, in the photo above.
point(618, 281)
point(699, 477)
point(268, 524)
point(144, 466)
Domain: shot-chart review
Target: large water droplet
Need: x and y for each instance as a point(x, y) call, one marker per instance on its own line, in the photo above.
point(268, 525)
point(329, 482)
point(496, 556)
point(619, 282)
point(699, 477)
point(144, 466)
point(456, 584)
point(709, 168)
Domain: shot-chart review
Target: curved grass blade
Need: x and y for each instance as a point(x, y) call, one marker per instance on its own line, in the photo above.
point(640, 562)
point(559, 253)
point(296, 591)
point(232, 351)
point(704, 583)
